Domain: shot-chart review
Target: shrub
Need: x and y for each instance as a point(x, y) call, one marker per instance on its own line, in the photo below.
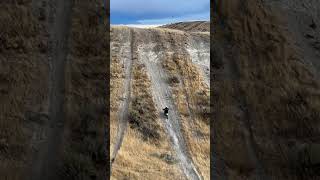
point(173, 80)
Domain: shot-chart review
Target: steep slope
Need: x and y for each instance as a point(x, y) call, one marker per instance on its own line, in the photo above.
point(303, 19)
point(52, 90)
point(83, 153)
point(23, 85)
point(266, 108)
point(177, 146)
point(124, 54)
point(45, 165)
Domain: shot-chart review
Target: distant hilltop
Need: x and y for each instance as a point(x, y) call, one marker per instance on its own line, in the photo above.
point(192, 26)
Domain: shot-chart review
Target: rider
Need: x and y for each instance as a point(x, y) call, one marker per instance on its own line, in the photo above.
point(166, 110)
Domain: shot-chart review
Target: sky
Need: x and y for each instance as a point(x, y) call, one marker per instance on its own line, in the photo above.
point(158, 12)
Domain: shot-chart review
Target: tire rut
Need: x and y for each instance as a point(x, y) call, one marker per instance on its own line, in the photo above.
point(124, 106)
point(162, 98)
point(46, 162)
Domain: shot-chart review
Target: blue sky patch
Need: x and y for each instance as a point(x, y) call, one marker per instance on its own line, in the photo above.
point(158, 11)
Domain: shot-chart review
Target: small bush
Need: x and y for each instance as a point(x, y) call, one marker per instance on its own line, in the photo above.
point(77, 166)
point(140, 121)
point(173, 80)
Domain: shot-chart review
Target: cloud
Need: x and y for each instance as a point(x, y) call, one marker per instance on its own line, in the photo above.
point(135, 10)
point(190, 17)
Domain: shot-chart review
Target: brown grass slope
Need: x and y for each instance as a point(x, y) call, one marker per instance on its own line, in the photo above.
point(186, 84)
point(142, 111)
point(146, 146)
point(192, 101)
point(193, 26)
point(84, 149)
point(23, 85)
point(266, 100)
point(145, 152)
point(24, 77)
point(117, 80)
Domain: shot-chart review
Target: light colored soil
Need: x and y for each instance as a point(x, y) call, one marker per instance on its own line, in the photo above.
point(126, 57)
point(150, 49)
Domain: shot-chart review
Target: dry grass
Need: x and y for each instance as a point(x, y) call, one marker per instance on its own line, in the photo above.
point(84, 144)
point(116, 83)
point(142, 112)
point(23, 86)
point(140, 160)
point(20, 30)
point(117, 76)
point(192, 96)
point(195, 26)
point(168, 30)
point(24, 92)
point(145, 145)
point(274, 87)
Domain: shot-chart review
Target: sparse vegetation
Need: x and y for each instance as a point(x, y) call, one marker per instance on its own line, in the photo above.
point(143, 116)
point(173, 80)
point(168, 158)
point(116, 82)
point(136, 159)
point(145, 134)
point(264, 84)
point(84, 155)
point(192, 84)
point(19, 30)
point(23, 86)
point(77, 166)
point(192, 100)
point(194, 26)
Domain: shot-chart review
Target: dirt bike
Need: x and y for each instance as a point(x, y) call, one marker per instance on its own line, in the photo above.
point(166, 111)
point(166, 114)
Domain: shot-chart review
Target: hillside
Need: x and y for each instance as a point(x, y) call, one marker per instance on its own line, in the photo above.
point(23, 85)
point(52, 90)
point(150, 69)
point(265, 61)
point(193, 26)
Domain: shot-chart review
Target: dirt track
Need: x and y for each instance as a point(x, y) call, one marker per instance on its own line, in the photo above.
point(126, 55)
point(162, 97)
point(150, 46)
point(59, 23)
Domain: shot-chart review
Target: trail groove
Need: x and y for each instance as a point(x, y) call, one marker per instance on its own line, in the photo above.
point(59, 21)
point(125, 52)
point(162, 98)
